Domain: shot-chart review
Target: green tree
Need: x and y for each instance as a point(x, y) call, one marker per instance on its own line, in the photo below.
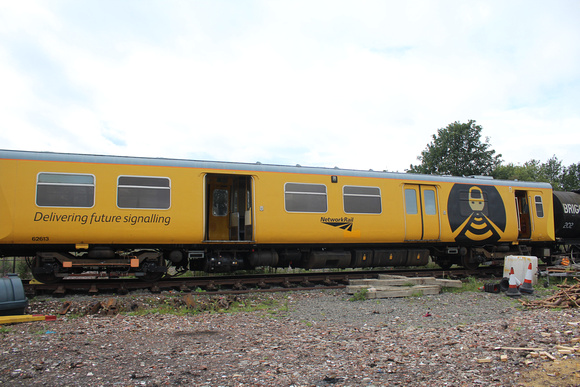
point(551, 172)
point(571, 178)
point(457, 150)
point(530, 171)
point(561, 178)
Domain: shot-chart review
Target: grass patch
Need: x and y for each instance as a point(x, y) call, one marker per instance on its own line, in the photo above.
point(472, 284)
point(360, 295)
point(195, 304)
point(72, 316)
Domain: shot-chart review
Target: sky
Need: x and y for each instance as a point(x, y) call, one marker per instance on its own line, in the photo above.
point(348, 84)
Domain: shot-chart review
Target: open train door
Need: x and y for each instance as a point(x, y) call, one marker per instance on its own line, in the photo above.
point(228, 208)
point(524, 218)
point(421, 212)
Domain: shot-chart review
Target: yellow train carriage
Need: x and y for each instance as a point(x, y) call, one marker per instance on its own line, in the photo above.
point(77, 203)
point(400, 209)
point(74, 212)
point(408, 210)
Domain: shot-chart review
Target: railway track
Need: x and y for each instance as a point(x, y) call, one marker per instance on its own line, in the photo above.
point(239, 284)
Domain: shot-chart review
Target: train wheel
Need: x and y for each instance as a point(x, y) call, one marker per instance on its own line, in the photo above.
point(445, 263)
point(152, 271)
point(46, 278)
point(152, 276)
point(468, 262)
point(46, 273)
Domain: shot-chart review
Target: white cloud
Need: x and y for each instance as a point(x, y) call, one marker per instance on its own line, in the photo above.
point(324, 83)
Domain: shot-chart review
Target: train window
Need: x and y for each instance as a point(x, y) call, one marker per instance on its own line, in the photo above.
point(539, 207)
point(361, 200)
point(430, 205)
point(411, 201)
point(144, 192)
point(220, 202)
point(300, 197)
point(65, 190)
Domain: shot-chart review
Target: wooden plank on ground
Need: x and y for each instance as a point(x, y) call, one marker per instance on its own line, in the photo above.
point(447, 283)
point(365, 282)
point(407, 281)
point(397, 291)
point(402, 281)
point(388, 286)
point(352, 289)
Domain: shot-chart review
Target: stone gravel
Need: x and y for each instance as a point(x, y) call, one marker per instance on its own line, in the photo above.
point(316, 338)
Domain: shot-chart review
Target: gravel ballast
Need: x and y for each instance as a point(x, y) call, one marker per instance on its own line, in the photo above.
point(315, 338)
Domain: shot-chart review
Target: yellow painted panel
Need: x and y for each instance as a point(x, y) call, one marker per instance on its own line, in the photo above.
point(412, 205)
point(184, 221)
point(542, 215)
point(430, 208)
point(275, 225)
point(105, 222)
point(8, 170)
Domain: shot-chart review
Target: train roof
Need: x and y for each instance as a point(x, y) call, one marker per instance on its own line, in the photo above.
point(257, 167)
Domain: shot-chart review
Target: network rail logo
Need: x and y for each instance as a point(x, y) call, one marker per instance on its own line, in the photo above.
point(343, 223)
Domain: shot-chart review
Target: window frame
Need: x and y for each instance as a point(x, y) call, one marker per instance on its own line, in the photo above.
point(305, 193)
point(148, 187)
point(359, 195)
point(65, 184)
point(539, 214)
point(415, 202)
point(430, 202)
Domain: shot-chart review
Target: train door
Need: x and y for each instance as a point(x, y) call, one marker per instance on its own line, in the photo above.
point(523, 212)
point(421, 212)
point(228, 208)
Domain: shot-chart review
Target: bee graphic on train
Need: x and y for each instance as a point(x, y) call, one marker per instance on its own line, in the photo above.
point(476, 213)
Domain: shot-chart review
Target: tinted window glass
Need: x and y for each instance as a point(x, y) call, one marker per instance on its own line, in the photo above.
point(430, 205)
point(411, 201)
point(144, 192)
point(539, 207)
point(362, 200)
point(139, 181)
point(305, 197)
point(65, 190)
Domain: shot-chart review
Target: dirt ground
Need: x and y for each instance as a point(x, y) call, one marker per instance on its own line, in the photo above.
point(316, 338)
